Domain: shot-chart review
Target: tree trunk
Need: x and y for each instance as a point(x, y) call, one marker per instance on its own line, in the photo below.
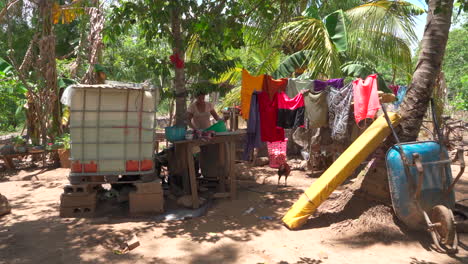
point(415, 104)
point(50, 104)
point(179, 80)
point(433, 44)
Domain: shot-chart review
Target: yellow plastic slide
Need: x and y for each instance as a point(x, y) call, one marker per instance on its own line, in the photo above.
point(337, 173)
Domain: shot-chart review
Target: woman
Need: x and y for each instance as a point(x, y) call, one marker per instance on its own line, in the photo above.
point(200, 112)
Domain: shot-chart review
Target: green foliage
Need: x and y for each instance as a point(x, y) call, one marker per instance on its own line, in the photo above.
point(291, 63)
point(12, 98)
point(231, 98)
point(62, 142)
point(359, 69)
point(336, 29)
point(377, 31)
point(18, 141)
point(455, 67)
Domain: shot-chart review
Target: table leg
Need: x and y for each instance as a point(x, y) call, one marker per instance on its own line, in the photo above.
point(178, 165)
point(222, 174)
point(9, 163)
point(192, 176)
point(232, 174)
point(156, 146)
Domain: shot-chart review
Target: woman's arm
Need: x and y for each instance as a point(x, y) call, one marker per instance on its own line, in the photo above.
point(215, 115)
point(189, 120)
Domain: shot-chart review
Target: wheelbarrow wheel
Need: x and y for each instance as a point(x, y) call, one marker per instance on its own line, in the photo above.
point(444, 225)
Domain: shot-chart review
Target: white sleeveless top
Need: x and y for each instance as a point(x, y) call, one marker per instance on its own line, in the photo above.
point(201, 120)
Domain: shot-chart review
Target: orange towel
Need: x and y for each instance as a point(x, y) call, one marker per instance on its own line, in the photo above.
point(249, 85)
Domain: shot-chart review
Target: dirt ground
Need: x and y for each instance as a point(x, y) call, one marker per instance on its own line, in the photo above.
point(34, 233)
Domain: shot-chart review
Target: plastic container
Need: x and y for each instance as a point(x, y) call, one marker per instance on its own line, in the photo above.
point(111, 130)
point(174, 133)
point(277, 152)
point(220, 126)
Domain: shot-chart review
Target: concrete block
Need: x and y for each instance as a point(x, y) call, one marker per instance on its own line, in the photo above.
point(149, 187)
point(146, 203)
point(67, 200)
point(78, 189)
point(78, 211)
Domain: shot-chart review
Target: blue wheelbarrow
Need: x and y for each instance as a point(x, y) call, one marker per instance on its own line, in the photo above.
point(421, 187)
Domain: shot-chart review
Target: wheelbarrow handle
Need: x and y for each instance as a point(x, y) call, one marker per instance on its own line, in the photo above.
point(390, 124)
point(398, 143)
point(460, 173)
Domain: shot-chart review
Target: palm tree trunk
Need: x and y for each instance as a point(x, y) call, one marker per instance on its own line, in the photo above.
point(179, 81)
point(433, 44)
point(415, 104)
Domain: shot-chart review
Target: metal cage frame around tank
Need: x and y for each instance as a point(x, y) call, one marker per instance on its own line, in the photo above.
point(128, 87)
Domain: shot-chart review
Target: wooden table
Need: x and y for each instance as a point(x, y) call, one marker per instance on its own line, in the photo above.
point(8, 158)
point(227, 144)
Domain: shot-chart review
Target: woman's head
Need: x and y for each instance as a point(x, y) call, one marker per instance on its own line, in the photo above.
point(200, 96)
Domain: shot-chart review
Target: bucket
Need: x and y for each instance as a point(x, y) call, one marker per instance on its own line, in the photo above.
point(174, 133)
point(277, 152)
point(220, 126)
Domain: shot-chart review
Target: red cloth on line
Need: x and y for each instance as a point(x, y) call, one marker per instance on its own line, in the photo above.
point(366, 98)
point(290, 111)
point(272, 86)
point(394, 88)
point(268, 117)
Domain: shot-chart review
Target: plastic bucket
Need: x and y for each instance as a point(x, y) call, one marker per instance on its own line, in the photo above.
point(220, 126)
point(277, 152)
point(174, 133)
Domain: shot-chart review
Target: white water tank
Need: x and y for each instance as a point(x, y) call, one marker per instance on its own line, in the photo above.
point(111, 129)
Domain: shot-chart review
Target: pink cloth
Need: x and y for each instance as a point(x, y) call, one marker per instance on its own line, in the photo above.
point(366, 98)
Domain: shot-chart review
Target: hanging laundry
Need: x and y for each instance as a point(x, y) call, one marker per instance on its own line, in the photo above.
point(400, 96)
point(249, 85)
point(366, 98)
point(253, 128)
point(268, 117)
point(316, 108)
point(321, 85)
point(272, 86)
point(339, 103)
point(394, 88)
point(295, 86)
point(290, 111)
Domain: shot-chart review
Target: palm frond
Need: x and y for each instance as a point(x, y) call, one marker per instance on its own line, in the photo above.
point(381, 47)
point(390, 17)
point(232, 76)
point(311, 34)
point(231, 98)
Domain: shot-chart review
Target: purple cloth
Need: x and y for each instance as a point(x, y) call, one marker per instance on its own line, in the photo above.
point(253, 128)
point(321, 85)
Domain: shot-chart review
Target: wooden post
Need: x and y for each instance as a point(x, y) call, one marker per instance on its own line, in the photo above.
point(231, 120)
point(192, 176)
point(8, 162)
point(232, 174)
point(223, 147)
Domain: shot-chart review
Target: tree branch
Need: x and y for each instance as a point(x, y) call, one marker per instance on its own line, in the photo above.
point(4, 10)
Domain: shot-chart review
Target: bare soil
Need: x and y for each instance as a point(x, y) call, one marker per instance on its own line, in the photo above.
point(361, 232)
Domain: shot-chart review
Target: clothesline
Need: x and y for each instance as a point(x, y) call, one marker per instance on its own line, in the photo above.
point(272, 105)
